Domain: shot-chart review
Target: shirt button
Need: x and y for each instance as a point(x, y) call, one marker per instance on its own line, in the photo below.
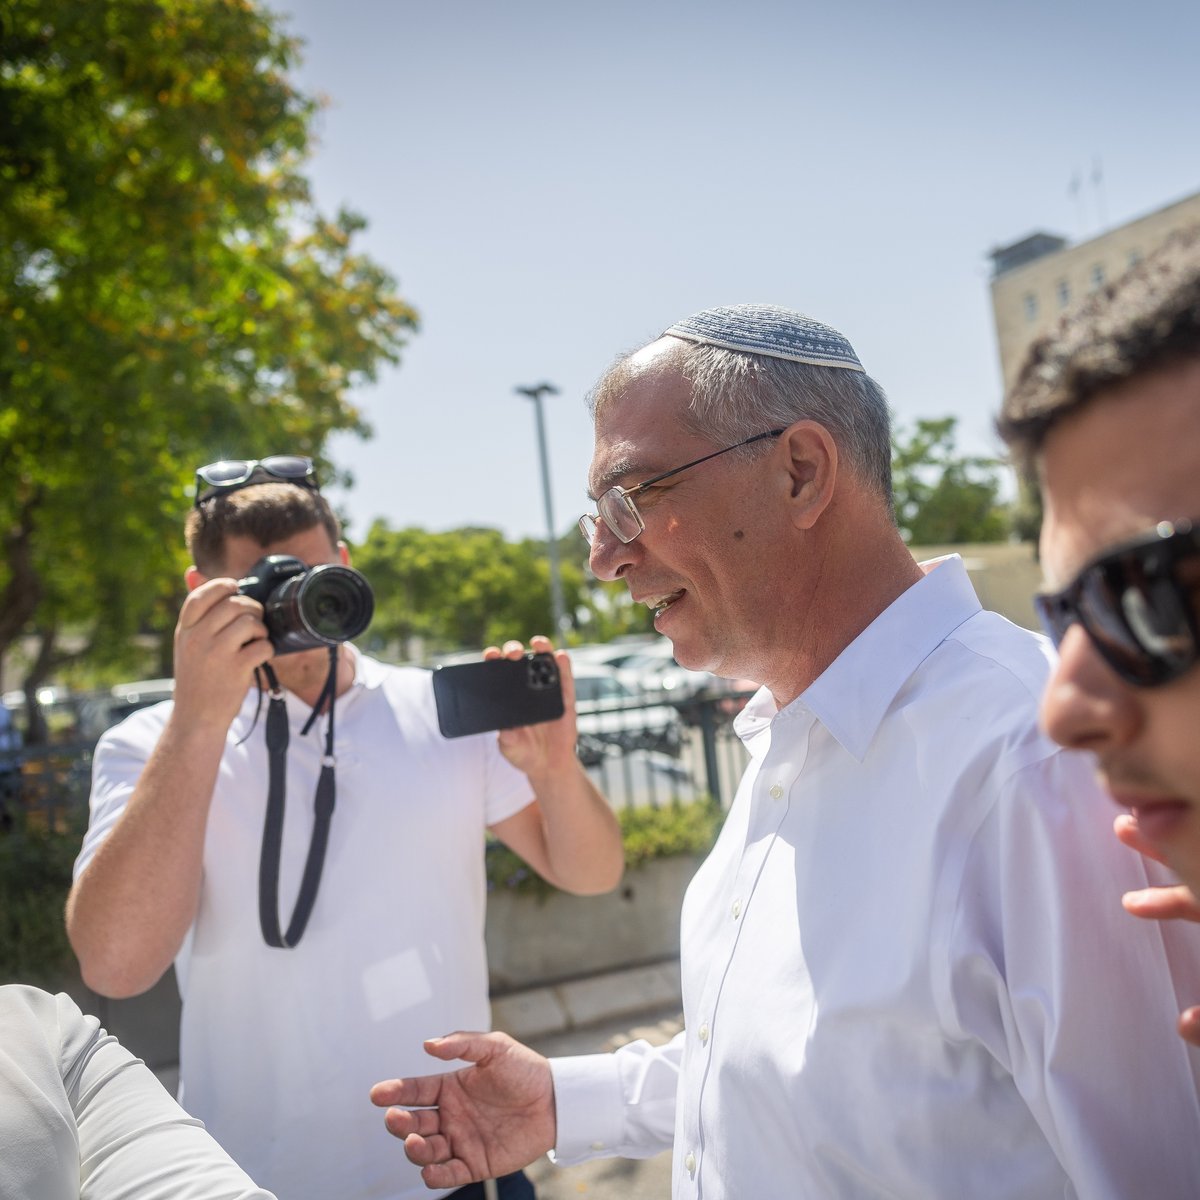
point(704, 1034)
point(736, 909)
point(690, 1163)
point(776, 791)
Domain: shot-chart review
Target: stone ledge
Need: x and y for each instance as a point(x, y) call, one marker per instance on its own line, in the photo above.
point(583, 1002)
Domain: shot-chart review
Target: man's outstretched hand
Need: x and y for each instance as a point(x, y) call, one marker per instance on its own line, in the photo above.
point(485, 1120)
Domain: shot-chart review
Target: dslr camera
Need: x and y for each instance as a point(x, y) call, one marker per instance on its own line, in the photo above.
point(306, 607)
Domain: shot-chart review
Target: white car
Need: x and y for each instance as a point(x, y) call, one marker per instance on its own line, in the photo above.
point(611, 716)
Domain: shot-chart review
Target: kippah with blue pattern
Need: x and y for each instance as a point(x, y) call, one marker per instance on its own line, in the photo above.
point(770, 330)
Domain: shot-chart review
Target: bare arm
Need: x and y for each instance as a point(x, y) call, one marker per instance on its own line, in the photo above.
point(129, 911)
point(569, 835)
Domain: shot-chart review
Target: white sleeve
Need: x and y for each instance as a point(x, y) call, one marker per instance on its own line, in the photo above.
point(80, 1111)
point(1074, 997)
point(616, 1104)
point(118, 761)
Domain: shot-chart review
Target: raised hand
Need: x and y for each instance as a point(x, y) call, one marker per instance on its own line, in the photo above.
point(485, 1120)
point(1160, 904)
point(219, 639)
point(549, 746)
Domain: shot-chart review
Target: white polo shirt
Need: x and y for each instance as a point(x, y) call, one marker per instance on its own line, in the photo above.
point(906, 969)
point(279, 1048)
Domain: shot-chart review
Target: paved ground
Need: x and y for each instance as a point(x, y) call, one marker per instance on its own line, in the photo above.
point(628, 1179)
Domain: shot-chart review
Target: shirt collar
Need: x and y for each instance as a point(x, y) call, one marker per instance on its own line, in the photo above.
point(368, 672)
point(852, 695)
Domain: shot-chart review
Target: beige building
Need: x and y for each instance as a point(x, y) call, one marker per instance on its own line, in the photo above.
point(1036, 280)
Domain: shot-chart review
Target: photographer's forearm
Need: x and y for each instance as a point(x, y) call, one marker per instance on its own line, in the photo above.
point(129, 911)
point(582, 836)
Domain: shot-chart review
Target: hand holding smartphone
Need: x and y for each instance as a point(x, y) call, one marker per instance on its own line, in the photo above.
point(497, 693)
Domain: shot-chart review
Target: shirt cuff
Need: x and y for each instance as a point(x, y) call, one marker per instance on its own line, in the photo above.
point(589, 1107)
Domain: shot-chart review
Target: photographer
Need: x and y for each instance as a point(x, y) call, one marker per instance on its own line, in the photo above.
point(282, 1034)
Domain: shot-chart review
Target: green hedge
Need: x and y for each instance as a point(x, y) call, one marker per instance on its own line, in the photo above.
point(35, 876)
point(648, 833)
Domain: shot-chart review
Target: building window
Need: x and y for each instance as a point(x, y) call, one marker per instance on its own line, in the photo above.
point(1064, 293)
point(1031, 307)
point(1097, 276)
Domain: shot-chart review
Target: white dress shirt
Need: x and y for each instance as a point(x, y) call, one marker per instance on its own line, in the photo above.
point(82, 1119)
point(906, 969)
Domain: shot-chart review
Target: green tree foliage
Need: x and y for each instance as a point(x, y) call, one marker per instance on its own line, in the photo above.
point(943, 497)
point(169, 293)
point(469, 588)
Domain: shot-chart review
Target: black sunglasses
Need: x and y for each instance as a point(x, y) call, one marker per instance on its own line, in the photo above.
point(230, 475)
point(1134, 606)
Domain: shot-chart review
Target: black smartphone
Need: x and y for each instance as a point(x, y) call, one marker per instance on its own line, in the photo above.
point(497, 693)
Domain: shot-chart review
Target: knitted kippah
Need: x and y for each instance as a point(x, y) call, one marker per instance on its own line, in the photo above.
point(770, 330)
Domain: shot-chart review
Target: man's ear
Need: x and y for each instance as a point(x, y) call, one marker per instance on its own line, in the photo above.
point(343, 554)
point(194, 577)
point(812, 465)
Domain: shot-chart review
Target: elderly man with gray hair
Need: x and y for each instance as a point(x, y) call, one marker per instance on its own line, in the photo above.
point(903, 972)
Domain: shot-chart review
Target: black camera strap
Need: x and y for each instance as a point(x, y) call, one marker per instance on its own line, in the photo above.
point(268, 869)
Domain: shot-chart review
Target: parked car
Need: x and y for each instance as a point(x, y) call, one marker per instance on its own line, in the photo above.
point(105, 709)
point(609, 654)
point(611, 714)
point(654, 672)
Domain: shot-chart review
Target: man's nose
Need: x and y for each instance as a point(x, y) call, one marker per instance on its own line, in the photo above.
point(1087, 706)
point(609, 557)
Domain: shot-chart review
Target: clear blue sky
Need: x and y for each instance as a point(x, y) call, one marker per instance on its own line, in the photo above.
point(555, 182)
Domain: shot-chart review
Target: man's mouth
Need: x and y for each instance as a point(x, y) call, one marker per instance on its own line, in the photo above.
point(660, 604)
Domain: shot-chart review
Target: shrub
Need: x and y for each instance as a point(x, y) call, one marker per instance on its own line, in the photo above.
point(648, 833)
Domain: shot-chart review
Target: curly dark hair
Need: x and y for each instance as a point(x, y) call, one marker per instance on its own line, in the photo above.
point(1147, 320)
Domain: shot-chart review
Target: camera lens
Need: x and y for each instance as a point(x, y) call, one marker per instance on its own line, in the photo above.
point(320, 607)
point(335, 603)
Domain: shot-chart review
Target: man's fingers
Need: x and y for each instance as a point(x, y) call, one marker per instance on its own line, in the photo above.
point(1125, 826)
point(421, 1091)
point(1162, 903)
point(425, 1151)
point(405, 1122)
point(1189, 1025)
point(452, 1174)
point(470, 1047)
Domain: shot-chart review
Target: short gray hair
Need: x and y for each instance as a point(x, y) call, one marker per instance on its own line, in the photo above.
point(736, 395)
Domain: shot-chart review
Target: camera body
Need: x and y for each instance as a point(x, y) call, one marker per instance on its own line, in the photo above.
point(308, 607)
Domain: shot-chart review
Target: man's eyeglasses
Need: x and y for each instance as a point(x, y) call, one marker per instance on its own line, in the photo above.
point(1134, 606)
point(618, 511)
point(230, 475)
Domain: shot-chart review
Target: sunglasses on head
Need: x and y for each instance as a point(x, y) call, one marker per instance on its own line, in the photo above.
point(230, 475)
point(1134, 606)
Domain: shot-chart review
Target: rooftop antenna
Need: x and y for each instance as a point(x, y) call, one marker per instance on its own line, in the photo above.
point(1098, 188)
point(1075, 191)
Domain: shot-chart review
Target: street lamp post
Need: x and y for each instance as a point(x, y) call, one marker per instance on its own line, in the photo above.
point(535, 392)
